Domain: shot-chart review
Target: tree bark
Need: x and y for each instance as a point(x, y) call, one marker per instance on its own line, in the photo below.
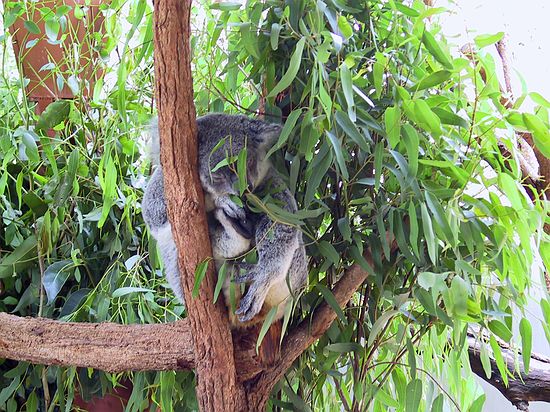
point(105, 346)
point(217, 386)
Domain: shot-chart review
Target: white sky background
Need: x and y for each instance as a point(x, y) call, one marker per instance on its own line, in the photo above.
point(527, 27)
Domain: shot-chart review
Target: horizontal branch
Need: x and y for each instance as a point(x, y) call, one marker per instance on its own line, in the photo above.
point(106, 346)
point(531, 387)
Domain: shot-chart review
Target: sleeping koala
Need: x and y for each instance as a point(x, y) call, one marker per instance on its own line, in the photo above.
point(282, 267)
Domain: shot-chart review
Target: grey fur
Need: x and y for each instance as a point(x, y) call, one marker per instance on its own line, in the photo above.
point(281, 254)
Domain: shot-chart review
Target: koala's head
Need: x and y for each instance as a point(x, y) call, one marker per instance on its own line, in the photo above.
point(235, 132)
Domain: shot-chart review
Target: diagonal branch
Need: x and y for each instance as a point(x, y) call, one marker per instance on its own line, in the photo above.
point(531, 387)
point(307, 332)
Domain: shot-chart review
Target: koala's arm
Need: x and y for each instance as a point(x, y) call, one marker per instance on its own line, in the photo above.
point(280, 253)
point(153, 209)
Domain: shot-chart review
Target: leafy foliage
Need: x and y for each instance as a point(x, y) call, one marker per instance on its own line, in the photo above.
point(386, 132)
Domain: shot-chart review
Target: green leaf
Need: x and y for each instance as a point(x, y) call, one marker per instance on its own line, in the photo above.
point(274, 36)
point(350, 129)
point(329, 252)
point(413, 395)
point(52, 29)
point(526, 333)
point(540, 132)
point(241, 170)
point(55, 113)
point(450, 118)
point(392, 119)
point(432, 80)
point(55, 277)
point(510, 189)
point(31, 27)
point(500, 329)
point(226, 5)
point(167, 387)
point(435, 50)
point(378, 73)
point(412, 144)
point(431, 242)
point(440, 217)
point(347, 87)
point(437, 404)
point(426, 117)
point(344, 228)
point(485, 40)
point(266, 325)
point(117, 293)
point(379, 325)
point(344, 347)
point(29, 138)
point(501, 365)
point(539, 99)
point(337, 147)
point(200, 273)
point(345, 27)
point(291, 121)
point(222, 274)
point(331, 300)
point(292, 71)
point(22, 257)
point(477, 405)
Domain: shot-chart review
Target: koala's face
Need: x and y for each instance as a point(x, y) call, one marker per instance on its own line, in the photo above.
point(221, 136)
point(222, 182)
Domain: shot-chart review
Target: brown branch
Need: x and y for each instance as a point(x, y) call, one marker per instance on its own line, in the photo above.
point(306, 333)
point(530, 160)
point(217, 386)
point(105, 346)
point(521, 389)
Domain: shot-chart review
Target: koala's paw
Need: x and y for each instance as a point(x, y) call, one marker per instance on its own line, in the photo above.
point(251, 304)
point(246, 273)
point(231, 209)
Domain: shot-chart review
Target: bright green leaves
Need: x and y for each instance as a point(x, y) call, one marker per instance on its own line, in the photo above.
point(526, 333)
point(432, 45)
point(485, 40)
point(540, 132)
point(108, 177)
point(292, 70)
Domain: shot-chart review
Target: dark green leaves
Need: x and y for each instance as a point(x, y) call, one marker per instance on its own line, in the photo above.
point(292, 71)
point(54, 114)
point(55, 277)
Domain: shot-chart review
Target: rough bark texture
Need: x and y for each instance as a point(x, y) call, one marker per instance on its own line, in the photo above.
point(106, 346)
point(217, 387)
point(531, 387)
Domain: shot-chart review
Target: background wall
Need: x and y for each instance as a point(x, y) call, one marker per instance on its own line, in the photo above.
point(527, 28)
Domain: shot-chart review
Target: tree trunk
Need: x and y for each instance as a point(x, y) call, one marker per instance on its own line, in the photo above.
point(217, 386)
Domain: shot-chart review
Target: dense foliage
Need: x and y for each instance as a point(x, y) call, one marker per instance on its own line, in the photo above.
point(385, 131)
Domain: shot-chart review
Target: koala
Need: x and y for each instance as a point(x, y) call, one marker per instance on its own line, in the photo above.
point(234, 230)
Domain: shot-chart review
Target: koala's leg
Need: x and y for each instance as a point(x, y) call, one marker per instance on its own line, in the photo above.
point(276, 244)
point(153, 209)
point(169, 254)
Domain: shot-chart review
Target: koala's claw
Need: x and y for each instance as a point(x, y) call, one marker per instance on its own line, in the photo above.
point(234, 211)
point(250, 305)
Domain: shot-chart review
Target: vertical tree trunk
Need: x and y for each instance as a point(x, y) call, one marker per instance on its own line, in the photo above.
point(217, 386)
